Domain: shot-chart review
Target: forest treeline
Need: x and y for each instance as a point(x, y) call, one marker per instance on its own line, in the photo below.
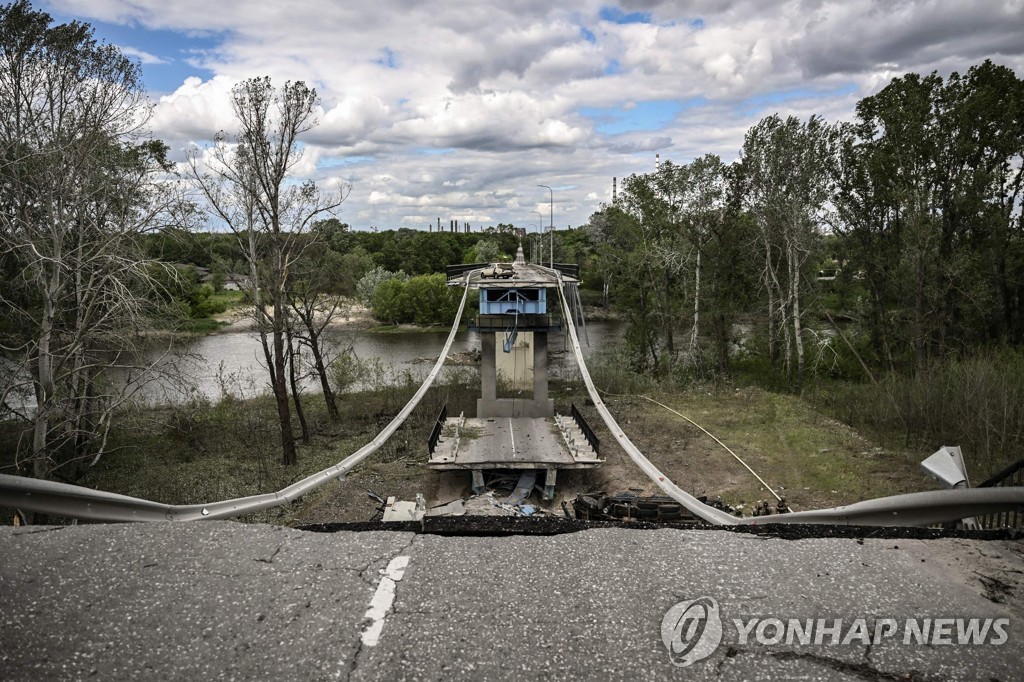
point(905, 224)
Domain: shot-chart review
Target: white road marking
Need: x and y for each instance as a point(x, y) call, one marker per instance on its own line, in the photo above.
point(382, 600)
point(512, 434)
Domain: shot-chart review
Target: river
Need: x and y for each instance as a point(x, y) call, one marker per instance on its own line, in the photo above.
point(233, 362)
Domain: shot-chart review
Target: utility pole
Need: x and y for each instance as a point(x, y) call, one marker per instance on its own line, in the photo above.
point(551, 221)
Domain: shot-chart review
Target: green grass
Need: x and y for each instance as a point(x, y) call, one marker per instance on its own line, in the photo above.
point(229, 299)
point(200, 452)
point(790, 443)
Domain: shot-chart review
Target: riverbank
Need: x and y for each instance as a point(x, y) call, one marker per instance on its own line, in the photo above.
point(203, 452)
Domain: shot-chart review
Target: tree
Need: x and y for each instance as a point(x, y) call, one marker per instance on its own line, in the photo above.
point(786, 166)
point(315, 307)
point(247, 185)
point(927, 206)
point(80, 185)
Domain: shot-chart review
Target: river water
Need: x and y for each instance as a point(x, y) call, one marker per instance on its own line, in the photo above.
point(234, 363)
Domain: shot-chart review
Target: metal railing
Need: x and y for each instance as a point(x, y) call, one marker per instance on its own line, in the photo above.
point(435, 433)
point(914, 509)
point(456, 272)
point(588, 432)
point(1011, 476)
point(50, 497)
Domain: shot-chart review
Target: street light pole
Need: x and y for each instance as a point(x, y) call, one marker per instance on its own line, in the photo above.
point(540, 236)
point(551, 219)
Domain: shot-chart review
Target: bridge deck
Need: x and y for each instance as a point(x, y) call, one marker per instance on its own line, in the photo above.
point(507, 443)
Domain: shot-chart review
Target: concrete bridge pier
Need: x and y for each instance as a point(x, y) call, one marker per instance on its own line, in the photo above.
point(489, 405)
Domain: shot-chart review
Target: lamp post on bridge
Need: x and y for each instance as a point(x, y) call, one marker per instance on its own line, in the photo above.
point(551, 223)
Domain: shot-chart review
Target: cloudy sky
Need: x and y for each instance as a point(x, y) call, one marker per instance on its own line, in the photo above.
point(459, 109)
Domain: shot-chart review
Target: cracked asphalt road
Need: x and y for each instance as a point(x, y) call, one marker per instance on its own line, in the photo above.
point(223, 600)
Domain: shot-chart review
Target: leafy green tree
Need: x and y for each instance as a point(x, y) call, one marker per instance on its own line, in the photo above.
point(391, 304)
point(484, 251)
point(80, 189)
point(786, 165)
point(927, 206)
point(366, 290)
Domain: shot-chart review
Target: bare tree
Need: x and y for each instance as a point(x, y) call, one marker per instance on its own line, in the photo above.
point(81, 183)
point(315, 306)
point(248, 185)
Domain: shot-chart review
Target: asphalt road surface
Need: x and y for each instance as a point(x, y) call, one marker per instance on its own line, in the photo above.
point(223, 600)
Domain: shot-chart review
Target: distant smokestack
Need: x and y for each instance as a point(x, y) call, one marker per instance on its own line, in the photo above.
point(615, 190)
point(657, 162)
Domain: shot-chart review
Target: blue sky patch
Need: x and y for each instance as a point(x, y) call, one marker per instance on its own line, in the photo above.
point(431, 151)
point(617, 16)
point(173, 48)
point(757, 103)
point(388, 59)
point(651, 115)
point(342, 161)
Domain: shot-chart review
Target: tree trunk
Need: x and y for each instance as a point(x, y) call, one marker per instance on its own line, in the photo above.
point(321, 371)
point(288, 455)
point(695, 331)
point(670, 343)
point(772, 344)
point(44, 385)
point(295, 389)
point(795, 299)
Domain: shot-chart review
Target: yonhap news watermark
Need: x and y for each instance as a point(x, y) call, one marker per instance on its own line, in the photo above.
point(693, 630)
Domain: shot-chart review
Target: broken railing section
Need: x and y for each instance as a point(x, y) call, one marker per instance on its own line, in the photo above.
point(588, 432)
point(435, 433)
point(915, 509)
point(51, 497)
point(581, 449)
point(1011, 476)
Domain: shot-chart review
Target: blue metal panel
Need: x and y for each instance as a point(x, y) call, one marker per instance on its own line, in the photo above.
point(513, 301)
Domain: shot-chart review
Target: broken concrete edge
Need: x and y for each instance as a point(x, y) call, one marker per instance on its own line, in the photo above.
point(553, 525)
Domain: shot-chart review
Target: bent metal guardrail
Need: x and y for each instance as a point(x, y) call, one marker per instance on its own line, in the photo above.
point(914, 509)
point(29, 494)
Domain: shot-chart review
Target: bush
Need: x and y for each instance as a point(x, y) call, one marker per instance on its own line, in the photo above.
point(424, 299)
point(366, 289)
point(976, 403)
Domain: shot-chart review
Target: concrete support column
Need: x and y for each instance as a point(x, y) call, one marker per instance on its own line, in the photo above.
point(549, 483)
point(540, 368)
point(488, 373)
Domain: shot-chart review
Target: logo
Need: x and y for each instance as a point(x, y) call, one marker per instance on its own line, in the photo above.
point(691, 631)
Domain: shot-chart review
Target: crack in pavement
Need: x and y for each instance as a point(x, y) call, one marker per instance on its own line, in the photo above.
point(36, 531)
point(862, 670)
point(271, 559)
point(373, 621)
